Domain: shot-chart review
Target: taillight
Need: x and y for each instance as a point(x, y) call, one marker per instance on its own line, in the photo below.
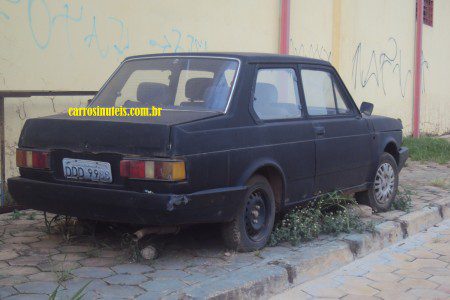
point(153, 169)
point(32, 159)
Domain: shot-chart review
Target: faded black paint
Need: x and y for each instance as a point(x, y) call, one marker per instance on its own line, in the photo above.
point(221, 152)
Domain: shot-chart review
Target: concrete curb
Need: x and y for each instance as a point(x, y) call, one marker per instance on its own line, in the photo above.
point(280, 271)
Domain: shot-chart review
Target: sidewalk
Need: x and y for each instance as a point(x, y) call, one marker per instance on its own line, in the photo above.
point(418, 267)
point(194, 263)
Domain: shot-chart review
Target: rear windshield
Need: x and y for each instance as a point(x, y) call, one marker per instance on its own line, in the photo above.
point(171, 83)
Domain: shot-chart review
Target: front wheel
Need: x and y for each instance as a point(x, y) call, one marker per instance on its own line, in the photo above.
point(253, 223)
point(385, 184)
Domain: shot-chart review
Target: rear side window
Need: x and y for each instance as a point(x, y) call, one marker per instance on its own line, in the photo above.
point(322, 95)
point(276, 94)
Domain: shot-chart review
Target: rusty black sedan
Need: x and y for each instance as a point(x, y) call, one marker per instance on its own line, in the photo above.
point(241, 137)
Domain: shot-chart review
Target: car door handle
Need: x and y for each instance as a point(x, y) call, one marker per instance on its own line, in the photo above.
point(320, 130)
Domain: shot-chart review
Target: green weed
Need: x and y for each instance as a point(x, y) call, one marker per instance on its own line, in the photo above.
point(329, 214)
point(428, 148)
point(16, 214)
point(77, 296)
point(403, 200)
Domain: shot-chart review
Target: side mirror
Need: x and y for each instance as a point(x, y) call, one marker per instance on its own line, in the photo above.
point(89, 102)
point(366, 108)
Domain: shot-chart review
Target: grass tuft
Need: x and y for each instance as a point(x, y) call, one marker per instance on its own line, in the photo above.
point(329, 215)
point(403, 200)
point(16, 214)
point(440, 183)
point(428, 148)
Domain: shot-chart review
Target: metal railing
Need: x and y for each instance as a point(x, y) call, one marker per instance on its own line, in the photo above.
point(22, 94)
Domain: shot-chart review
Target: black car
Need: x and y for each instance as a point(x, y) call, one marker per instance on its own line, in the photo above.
point(241, 137)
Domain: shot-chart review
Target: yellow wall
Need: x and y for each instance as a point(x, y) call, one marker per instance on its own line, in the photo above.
point(377, 55)
point(54, 44)
point(435, 105)
point(372, 44)
point(58, 45)
point(311, 28)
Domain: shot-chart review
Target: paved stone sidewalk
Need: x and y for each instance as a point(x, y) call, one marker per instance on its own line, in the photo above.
point(33, 262)
point(418, 267)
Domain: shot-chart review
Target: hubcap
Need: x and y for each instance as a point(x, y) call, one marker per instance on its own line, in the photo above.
point(255, 215)
point(384, 183)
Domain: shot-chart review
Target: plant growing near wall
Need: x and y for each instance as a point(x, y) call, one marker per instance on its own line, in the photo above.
point(428, 148)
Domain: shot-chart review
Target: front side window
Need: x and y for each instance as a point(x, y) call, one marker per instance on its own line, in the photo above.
point(171, 83)
point(322, 95)
point(276, 94)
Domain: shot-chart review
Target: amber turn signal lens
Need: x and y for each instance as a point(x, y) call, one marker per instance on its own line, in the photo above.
point(153, 169)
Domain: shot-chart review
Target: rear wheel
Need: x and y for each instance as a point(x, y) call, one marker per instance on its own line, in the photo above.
point(385, 184)
point(253, 223)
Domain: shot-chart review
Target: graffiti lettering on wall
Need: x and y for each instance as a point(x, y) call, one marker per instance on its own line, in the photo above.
point(4, 15)
point(177, 41)
point(367, 69)
point(120, 44)
point(42, 36)
point(311, 50)
point(43, 23)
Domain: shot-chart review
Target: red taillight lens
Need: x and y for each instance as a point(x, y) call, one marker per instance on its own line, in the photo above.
point(149, 169)
point(137, 169)
point(125, 168)
point(40, 160)
point(32, 159)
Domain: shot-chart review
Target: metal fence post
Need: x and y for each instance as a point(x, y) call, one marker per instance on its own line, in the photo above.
point(2, 149)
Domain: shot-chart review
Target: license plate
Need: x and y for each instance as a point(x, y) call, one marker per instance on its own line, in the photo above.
point(87, 170)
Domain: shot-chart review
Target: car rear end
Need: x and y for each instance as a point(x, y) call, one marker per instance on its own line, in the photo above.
point(122, 169)
point(122, 184)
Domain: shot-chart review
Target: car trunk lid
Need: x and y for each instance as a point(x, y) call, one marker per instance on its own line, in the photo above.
point(147, 136)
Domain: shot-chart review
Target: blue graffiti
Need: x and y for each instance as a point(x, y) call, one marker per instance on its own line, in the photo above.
point(42, 37)
point(43, 43)
point(94, 37)
point(124, 37)
point(66, 17)
point(4, 15)
point(178, 42)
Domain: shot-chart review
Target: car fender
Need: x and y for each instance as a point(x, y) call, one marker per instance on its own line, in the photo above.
point(253, 167)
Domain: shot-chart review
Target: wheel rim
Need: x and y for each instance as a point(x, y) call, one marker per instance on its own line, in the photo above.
point(256, 215)
point(384, 184)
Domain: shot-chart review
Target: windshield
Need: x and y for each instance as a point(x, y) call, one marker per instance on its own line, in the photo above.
point(180, 83)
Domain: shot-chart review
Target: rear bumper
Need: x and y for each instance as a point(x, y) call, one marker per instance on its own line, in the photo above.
point(403, 155)
point(210, 206)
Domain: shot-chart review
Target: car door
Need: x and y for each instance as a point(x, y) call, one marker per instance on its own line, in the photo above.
point(282, 127)
point(343, 139)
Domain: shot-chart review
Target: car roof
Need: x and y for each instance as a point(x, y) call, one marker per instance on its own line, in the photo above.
point(248, 57)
